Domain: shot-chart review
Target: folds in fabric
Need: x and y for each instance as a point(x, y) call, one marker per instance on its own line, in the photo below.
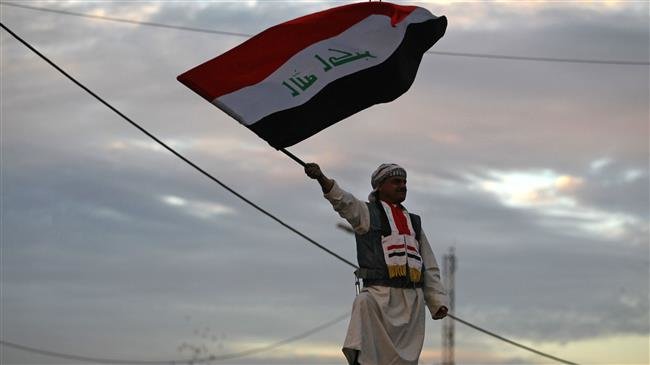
point(297, 78)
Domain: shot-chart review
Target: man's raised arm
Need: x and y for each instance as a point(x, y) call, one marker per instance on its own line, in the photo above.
point(344, 203)
point(313, 171)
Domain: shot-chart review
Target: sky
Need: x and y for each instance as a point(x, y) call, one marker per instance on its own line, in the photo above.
point(535, 172)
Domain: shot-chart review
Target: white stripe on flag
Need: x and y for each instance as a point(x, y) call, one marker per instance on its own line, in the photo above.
point(304, 75)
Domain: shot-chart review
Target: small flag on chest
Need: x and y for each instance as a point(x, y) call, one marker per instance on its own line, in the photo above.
point(297, 78)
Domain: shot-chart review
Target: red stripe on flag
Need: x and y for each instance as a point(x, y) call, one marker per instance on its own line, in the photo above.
point(258, 57)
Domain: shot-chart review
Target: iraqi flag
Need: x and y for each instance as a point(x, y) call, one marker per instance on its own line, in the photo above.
point(297, 78)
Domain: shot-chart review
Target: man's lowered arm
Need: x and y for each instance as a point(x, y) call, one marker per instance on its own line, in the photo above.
point(435, 294)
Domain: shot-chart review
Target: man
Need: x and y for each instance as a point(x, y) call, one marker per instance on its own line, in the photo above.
point(399, 271)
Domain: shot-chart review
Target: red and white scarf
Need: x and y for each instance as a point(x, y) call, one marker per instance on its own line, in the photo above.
point(401, 249)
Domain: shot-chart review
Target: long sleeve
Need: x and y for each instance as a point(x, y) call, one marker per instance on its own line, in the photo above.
point(350, 208)
point(435, 294)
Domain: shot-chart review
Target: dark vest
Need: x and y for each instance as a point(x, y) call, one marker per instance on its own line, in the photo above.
point(370, 254)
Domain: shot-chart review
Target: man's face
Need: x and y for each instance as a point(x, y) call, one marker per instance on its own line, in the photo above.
point(393, 190)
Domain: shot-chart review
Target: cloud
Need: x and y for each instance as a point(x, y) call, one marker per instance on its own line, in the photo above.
point(599, 164)
point(537, 172)
point(201, 209)
point(553, 196)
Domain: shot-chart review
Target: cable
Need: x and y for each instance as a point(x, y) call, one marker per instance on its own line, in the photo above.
point(510, 341)
point(228, 188)
point(121, 20)
point(66, 356)
point(207, 174)
point(212, 31)
point(541, 59)
point(210, 358)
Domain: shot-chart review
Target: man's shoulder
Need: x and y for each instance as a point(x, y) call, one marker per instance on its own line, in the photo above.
point(417, 222)
point(414, 214)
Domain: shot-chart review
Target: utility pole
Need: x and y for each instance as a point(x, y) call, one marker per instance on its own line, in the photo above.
point(449, 268)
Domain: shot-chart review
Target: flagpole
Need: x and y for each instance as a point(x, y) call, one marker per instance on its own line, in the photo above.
point(293, 157)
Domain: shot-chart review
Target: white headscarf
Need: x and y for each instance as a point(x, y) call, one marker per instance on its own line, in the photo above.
point(383, 172)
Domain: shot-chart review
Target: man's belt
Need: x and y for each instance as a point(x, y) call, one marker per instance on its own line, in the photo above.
point(379, 277)
point(404, 284)
point(371, 274)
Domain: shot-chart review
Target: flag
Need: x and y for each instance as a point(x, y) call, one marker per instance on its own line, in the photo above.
point(297, 78)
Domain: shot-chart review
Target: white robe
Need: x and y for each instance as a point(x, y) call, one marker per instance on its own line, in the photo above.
point(387, 324)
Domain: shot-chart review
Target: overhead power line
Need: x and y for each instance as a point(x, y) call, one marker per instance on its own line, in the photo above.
point(210, 358)
point(203, 171)
point(511, 341)
point(227, 33)
point(128, 21)
point(541, 59)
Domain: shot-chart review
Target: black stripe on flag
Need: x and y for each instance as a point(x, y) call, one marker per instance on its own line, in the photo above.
point(355, 92)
